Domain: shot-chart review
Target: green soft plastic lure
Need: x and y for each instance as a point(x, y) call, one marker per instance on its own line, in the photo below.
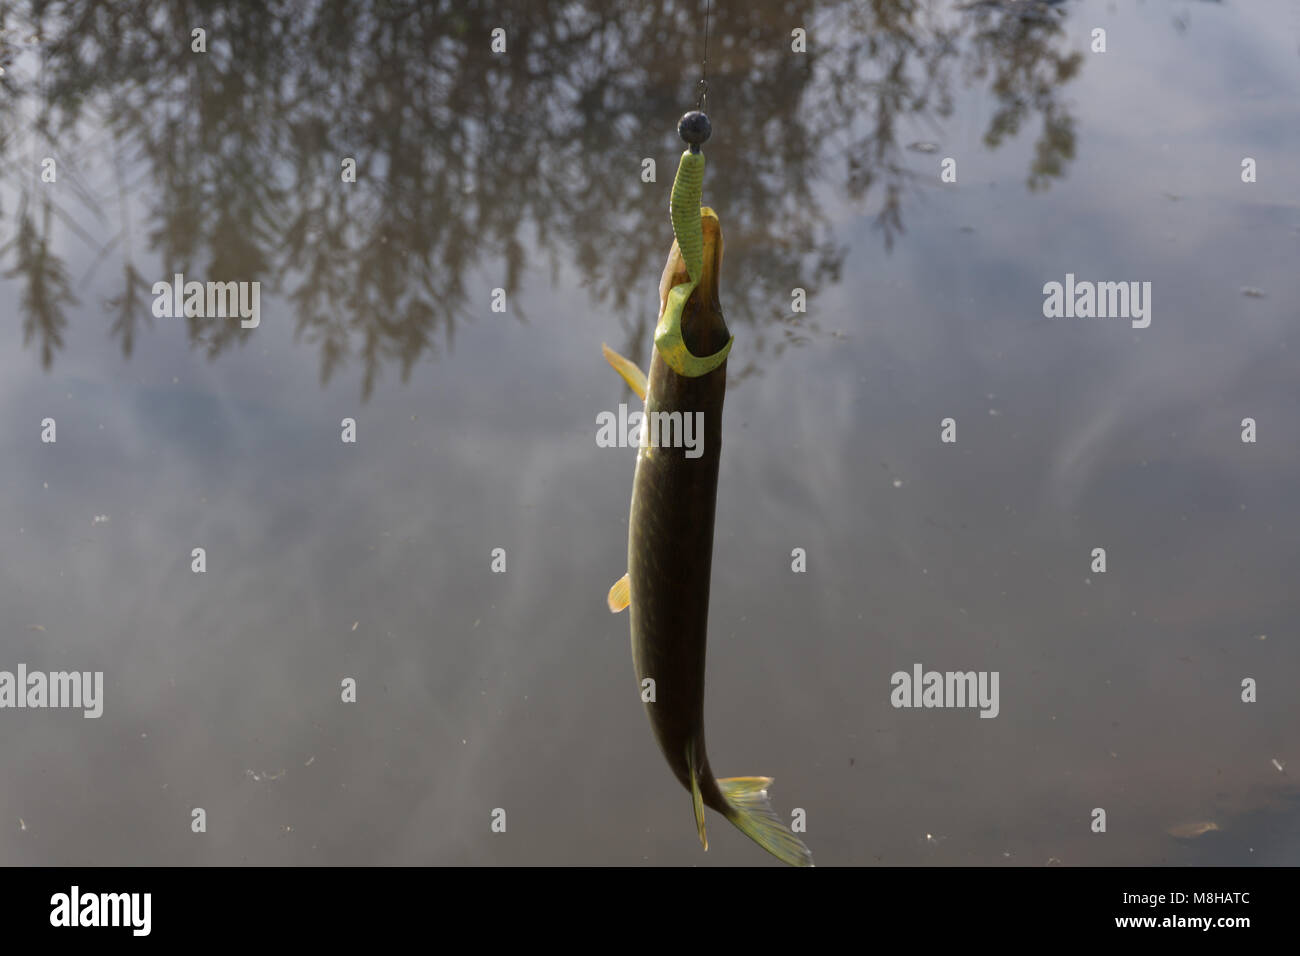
point(684, 207)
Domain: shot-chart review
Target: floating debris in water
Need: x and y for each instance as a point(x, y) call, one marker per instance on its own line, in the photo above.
point(101, 519)
point(1281, 767)
point(1190, 831)
point(898, 482)
point(354, 625)
point(36, 627)
point(21, 824)
point(310, 760)
point(259, 777)
point(923, 147)
point(1252, 293)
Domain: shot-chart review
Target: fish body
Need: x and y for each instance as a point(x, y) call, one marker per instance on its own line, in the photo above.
point(670, 537)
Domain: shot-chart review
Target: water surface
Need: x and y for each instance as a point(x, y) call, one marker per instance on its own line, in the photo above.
point(522, 172)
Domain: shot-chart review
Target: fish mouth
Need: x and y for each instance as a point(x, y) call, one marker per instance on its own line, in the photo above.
point(703, 327)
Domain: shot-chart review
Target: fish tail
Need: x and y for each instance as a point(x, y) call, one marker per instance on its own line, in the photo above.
point(748, 808)
point(697, 798)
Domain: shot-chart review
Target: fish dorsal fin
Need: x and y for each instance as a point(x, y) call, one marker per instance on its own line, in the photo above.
point(634, 377)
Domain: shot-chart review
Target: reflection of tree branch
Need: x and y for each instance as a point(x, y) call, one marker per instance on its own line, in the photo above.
point(458, 149)
point(47, 290)
point(1018, 47)
point(130, 305)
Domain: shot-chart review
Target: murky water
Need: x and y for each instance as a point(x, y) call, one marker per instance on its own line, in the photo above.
point(523, 171)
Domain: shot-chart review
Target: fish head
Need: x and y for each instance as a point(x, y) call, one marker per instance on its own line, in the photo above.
point(703, 327)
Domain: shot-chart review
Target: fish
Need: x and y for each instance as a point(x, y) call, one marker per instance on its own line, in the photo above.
point(670, 527)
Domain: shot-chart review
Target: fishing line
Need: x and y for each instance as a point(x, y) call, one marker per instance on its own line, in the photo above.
point(694, 127)
point(703, 88)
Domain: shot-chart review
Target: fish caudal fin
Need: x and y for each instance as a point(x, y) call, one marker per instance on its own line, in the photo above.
point(697, 798)
point(620, 595)
point(748, 808)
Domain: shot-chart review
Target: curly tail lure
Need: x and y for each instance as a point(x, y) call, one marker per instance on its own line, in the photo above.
point(684, 207)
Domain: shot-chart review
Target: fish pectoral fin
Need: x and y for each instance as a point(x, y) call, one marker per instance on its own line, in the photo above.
point(697, 798)
point(634, 377)
point(620, 595)
point(748, 808)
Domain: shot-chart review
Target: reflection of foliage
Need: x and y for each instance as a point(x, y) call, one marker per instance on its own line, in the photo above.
point(1026, 74)
point(914, 49)
point(47, 289)
point(458, 148)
